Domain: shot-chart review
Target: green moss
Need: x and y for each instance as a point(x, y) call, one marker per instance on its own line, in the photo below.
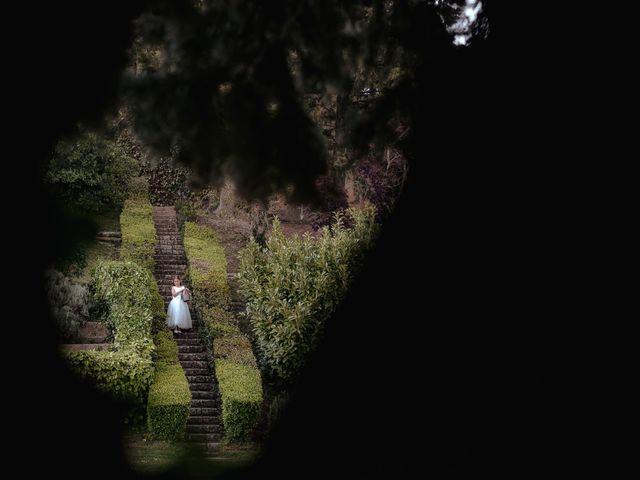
point(241, 393)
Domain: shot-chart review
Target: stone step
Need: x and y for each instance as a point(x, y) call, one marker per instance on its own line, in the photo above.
point(167, 240)
point(196, 371)
point(77, 347)
point(202, 420)
point(194, 364)
point(207, 448)
point(93, 332)
point(187, 341)
point(190, 349)
point(199, 378)
point(200, 387)
point(202, 428)
point(109, 241)
point(203, 437)
point(189, 334)
point(203, 395)
point(205, 403)
point(213, 411)
point(110, 234)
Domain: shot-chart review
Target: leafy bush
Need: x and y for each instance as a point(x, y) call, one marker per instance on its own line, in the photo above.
point(90, 172)
point(208, 266)
point(185, 211)
point(125, 295)
point(125, 375)
point(292, 285)
point(130, 298)
point(169, 397)
point(167, 181)
point(241, 393)
point(138, 230)
point(68, 302)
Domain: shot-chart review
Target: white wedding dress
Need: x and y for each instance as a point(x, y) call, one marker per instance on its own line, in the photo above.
point(178, 314)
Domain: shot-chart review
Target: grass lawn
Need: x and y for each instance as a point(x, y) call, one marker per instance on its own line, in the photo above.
point(150, 457)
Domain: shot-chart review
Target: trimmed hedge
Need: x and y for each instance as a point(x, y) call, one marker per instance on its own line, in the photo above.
point(125, 375)
point(236, 348)
point(235, 364)
point(119, 293)
point(208, 265)
point(137, 228)
point(241, 393)
point(169, 397)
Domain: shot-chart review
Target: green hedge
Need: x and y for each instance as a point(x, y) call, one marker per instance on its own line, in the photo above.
point(169, 397)
point(241, 393)
point(137, 228)
point(125, 375)
point(236, 348)
point(235, 364)
point(126, 296)
point(208, 266)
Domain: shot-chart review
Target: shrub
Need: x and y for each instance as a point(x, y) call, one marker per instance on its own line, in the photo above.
point(90, 172)
point(235, 364)
point(166, 348)
point(241, 393)
point(125, 295)
point(234, 347)
point(207, 265)
point(125, 375)
point(68, 302)
point(130, 296)
point(138, 230)
point(168, 182)
point(292, 285)
point(169, 397)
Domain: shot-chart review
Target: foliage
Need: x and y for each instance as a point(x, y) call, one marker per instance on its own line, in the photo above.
point(167, 182)
point(138, 230)
point(207, 265)
point(294, 284)
point(236, 348)
point(166, 348)
point(90, 172)
point(241, 393)
point(126, 296)
point(68, 302)
point(380, 176)
point(169, 396)
point(123, 374)
point(129, 299)
point(240, 386)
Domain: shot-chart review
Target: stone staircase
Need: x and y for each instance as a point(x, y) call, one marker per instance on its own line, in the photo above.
point(91, 336)
point(204, 423)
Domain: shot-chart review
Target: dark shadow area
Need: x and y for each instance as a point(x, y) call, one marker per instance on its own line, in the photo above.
point(494, 326)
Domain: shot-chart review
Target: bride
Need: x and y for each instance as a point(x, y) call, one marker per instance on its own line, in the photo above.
point(178, 315)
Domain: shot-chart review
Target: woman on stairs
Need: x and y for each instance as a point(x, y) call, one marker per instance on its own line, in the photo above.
point(178, 315)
